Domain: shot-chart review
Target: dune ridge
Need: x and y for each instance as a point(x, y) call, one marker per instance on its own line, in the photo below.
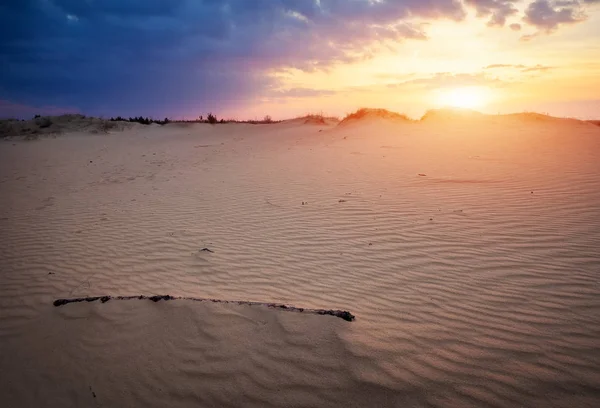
point(45, 126)
point(368, 114)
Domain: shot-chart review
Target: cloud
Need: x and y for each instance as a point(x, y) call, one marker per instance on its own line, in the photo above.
point(448, 80)
point(167, 56)
point(497, 10)
point(549, 15)
point(301, 93)
point(393, 76)
point(537, 68)
point(520, 67)
point(546, 15)
point(493, 66)
point(529, 37)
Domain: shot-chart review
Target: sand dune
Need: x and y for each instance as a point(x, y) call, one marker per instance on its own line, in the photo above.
point(468, 254)
point(56, 125)
point(317, 120)
point(452, 115)
point(373, 115)
point(456, 115)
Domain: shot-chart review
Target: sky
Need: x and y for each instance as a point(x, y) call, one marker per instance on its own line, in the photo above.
point(245, 59)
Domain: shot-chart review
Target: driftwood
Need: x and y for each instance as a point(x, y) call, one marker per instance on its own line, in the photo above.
point(342, 314)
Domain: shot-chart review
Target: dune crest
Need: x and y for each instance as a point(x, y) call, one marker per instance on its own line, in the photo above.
point(451, 114)
point(458, 115)
point(367, 114)
point(55, 125)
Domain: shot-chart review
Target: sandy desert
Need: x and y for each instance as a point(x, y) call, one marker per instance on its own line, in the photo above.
point(467, 248)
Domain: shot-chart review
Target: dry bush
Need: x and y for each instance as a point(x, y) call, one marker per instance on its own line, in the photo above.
point(43, 122)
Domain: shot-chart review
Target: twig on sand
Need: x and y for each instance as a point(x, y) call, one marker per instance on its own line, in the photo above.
point(342, 314)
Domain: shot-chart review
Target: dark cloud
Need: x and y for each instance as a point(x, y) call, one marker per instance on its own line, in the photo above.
point(497, 10)
point(548, 15)
point(170, 56)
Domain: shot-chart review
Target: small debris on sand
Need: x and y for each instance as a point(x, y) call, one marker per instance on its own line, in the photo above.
point(207, 250)
point(422, 175)
point(341, 201)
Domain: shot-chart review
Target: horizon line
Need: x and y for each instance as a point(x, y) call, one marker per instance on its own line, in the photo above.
point(321, 114)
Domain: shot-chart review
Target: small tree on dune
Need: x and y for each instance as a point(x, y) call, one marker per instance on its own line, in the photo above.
point(212, 119)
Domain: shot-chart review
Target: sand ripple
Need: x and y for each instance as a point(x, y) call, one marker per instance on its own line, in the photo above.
point(476, 284)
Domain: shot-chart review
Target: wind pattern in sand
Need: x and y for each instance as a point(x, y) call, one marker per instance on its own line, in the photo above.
point(470, 256)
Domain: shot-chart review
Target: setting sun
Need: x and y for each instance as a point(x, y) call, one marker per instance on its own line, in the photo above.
point(465, 97)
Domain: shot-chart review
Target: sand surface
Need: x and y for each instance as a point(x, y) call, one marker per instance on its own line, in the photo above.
point(470, 255)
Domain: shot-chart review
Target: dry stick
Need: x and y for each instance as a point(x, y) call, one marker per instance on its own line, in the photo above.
point(337, 313)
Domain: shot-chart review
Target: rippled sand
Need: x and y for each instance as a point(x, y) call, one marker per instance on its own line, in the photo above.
point(470, 255)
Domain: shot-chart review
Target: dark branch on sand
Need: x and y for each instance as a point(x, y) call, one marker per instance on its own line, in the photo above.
point(337, 313)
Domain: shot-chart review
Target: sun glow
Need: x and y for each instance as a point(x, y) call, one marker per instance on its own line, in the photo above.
point(465, 97)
